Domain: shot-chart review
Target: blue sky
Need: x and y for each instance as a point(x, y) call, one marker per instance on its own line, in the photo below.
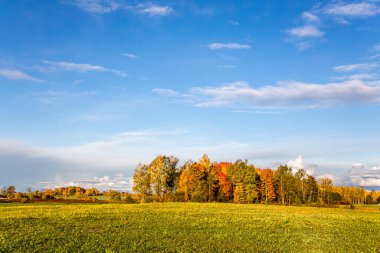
point(90, 88)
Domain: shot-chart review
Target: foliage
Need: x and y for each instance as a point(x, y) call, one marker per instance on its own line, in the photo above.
point(240, 182)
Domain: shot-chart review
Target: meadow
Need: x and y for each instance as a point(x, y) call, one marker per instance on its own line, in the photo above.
point(187, 227)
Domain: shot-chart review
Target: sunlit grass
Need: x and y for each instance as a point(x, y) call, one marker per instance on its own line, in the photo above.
point(186, 227)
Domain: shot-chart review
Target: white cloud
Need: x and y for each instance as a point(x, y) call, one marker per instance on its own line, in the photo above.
point(355, 67)
point(329, 175)
point(88, 163)
point(376, 47)
point(17, 75)
point(359, 175)
point(304, 45)
point(255, 111)
point(298, 164)
point(166, 92)
point(117, 153)
point(376, 51)
point(362, 76)
point(81, 67)
point(310, 17)
point(55, 97)
point(233, 22)
point(306, 31)
point(129, 55)
point(374, 56)
point(286, 95)
point(214, 46)
point(359, 9)
point(109, 6)
point(338, 11)
point(155, 10)
point(78, 67)
point(96, 6)
point(119, 182)
point(375, 168)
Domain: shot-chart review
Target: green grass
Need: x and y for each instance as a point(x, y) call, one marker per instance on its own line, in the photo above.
point(187, 227)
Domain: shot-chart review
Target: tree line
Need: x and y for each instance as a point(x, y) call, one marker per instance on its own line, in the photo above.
point(64, 193)
point(240, 182)
point(204, 181)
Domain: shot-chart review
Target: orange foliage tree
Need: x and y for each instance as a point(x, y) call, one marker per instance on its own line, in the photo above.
point(267, 191)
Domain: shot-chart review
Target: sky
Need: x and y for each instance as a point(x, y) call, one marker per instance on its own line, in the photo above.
point(91, 88)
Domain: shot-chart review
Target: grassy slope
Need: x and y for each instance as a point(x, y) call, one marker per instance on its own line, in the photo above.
point(186, 228)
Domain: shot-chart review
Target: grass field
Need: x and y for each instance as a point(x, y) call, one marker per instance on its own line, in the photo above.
point(187, 227)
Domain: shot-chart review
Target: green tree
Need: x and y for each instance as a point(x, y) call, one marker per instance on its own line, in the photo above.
point(325, 187)
point(244, 181)
point(311, 189)
point(212, 177)
point(369, 199)
point(11, 189)
point(300, 178)
point(162, 171)
point(141, 180)
point(283, 183)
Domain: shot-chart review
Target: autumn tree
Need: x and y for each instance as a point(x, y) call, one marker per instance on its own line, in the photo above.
point(267, 190)
point(283, 178)
point(193, 183)
point(311, 189)
point(211, 177)
point(325, 187)
point(162, 171)
point(225, 192)
point(141, 180)
point(244, 180)
point(300, 185)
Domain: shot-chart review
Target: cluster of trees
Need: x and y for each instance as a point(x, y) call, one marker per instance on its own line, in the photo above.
point(205, 181)
point(239, 182)
point(70, 192)
point(7, 191)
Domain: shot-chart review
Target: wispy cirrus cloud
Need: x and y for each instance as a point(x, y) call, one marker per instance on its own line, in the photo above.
point(375, 51)
point(285, 95)
point(233, 22)
point(361, 76)
point(310, 17)
point(154, 10)
point(130, 55)
point(109, 6)
point(306, 31)
point(307, 34)
point(376, 47)
point(356, 67)
point(215, 46)
point(166, 92)
point(55, 97)
point(354, 10)
point(96, 6)
point(17, 75)
point(80, 67)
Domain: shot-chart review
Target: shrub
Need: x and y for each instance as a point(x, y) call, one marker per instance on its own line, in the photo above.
point(25, 200)
point(129, 199)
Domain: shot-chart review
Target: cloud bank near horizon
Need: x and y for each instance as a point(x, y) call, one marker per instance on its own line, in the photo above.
point(109, 164)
